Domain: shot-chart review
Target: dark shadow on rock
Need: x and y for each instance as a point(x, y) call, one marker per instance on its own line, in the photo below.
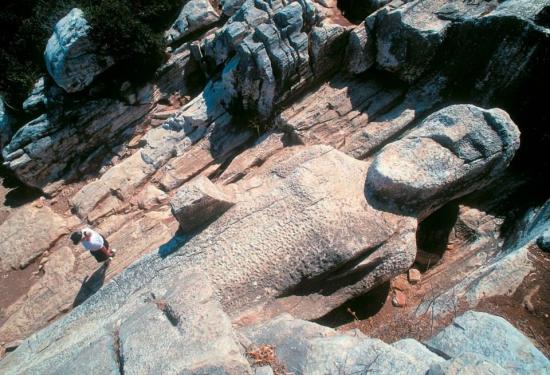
point(359, 308)
point(516, 196)
point(432, 235)
point(19, 194)
point(91, 285)
point(175, 243)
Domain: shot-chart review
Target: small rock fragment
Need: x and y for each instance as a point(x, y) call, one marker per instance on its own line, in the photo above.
point(414, 276)
point(399, 298)
point(199, 202)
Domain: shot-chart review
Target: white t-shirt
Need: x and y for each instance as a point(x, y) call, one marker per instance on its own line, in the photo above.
point(95, 243)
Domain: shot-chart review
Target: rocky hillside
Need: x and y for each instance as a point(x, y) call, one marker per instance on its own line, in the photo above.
point(290, 163)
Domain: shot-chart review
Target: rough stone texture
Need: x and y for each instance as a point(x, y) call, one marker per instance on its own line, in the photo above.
point(198, 203)
point(195, 15)
point(359, 51)
point(350, 354)
point(171, 154)
point(414, 276)
point(27, 233)
point(417, 351)
point(67, 283)
point(399, 299)
point(5, 128)
point(493, 338)
point(266, 146)
point(544, 240)
point(264, 51)
point(492, 268)
point(357, 116)
point(71, 57)
point(44, 95)
point(288, 336)
point(308, 348)
point(98, 199)
point(460, 143)
point(467, 363)
point(182, 332)
point(404, 38)
point(71, 137)
point(52, 294)
point(44, 149)
point(229, 7)
point(310, 216)
point(264, 370)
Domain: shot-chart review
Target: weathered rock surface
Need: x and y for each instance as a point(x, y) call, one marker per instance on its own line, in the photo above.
point(44, 95)
point(492, 268)
point(73, 136)
point(52, 294)
point(5, 127)
point(185, 331)
point(491, 337)
point(27, 233)
point(311, 215)
point(265, 56)
point(407, 38)
point(458, 143)
point(308, 348)
point(198, 203)
point(544, 240)
point(174, 330)
point(47, 148)
point(72, 59)
point(418, 351)
point(195, 15)
point(467, 363)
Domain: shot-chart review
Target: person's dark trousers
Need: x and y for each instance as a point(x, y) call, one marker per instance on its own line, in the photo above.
point(100, 255)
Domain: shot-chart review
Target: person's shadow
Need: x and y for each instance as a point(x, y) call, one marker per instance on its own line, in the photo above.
point(90, 285)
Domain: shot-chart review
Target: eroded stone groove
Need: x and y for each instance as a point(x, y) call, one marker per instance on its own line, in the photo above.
point(304, 227)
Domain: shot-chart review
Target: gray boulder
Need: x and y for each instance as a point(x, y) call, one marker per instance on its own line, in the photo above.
point(195, 15)
point(269, 51)
point(405, 38)
point(72, 59)
point(493, 338)
point(544, 240)
point(56, 145)
point(307, 348)
point(183, 332)
point(37, 99)
point(43, 96)
point(198, 203)
point(462, 145)
point(360, 54)
point(5, 126)
point(467, 363)
point(417, 351)
point(74, 136)
point(229, 7)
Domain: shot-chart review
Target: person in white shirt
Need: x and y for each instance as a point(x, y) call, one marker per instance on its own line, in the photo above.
point(93, 242)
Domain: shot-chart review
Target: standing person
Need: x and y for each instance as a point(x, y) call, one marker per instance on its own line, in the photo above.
point(95, 243)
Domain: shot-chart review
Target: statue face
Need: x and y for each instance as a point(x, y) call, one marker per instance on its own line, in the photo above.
point(451, 153)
